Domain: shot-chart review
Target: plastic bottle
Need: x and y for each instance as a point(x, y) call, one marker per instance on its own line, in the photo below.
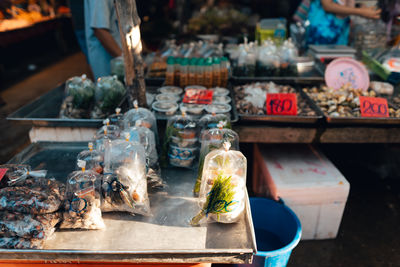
point(216, 72)
point(192, 71)
point(200, 72)
point(177, 70)
point(208, 73)
point(224, 72)
point(184, 73)
point(170, 75)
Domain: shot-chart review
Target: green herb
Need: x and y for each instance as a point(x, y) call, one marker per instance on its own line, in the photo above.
point(169, 132)
point(218, 199)
point(203, 155)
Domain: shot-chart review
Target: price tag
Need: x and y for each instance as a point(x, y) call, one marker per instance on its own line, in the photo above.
point(282, 104)
point(373, 107)
point(198, 96)
point(3, 172)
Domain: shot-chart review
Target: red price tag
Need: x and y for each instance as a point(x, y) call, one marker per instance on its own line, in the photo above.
point(373, 107)
point(282, 104)
point(3, 172)
point(198, 96)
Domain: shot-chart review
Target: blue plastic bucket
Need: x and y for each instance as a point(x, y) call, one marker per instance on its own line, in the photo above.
point(278, 231)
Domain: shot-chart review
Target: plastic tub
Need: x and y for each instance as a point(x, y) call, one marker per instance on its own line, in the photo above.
point(220, 91)
point(167, 97)
point(221, 99)
point(180, 142)
point(165, 108)
point(182, 156)
point(194, 109)
point(218, 108)
point(278, 231)
point(195, 87)
point(170, 90)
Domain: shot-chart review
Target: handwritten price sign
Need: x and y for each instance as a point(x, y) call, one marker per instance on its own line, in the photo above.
point(198, 96)
point(282, 104)
point(373, 107)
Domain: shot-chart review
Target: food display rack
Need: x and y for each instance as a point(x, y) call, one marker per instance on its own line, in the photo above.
point(165, 237)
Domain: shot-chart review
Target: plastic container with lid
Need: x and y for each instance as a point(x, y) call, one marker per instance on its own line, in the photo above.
point(220, 91)
point(221, 99)
point(195, 87)
point(170, 90)
point(167, 98)
point(219, 109)
point(169, 75)
point(165, 108)
point(213, 139)
point(193, 109)
point(208, 73)
point(182, 156)
point(216, 72)
point(222, 191)
point(109, 94)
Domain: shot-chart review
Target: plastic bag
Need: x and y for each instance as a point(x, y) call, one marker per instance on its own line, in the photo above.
point(109, 94)
point(211, 121)
point(79, 99)
point(94, 159)
point(117, 118)
point(106, 134)
point(118, 68)
point(14, 173)
point(82, 205)
point(16, 242)
point(28, 226)
point(222, 191)
point(180, 141)
point(145, 137)
point(146, 117)
point(211, 140)
point(35, 196)
point(124, 185)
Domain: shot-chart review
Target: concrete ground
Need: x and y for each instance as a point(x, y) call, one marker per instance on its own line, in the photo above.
point(370, 229)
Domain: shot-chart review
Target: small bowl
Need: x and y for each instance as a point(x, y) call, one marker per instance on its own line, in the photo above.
point(218, 108)
point(221, 99)
point(219, 91)
point(195, 87)
point(165, 108)
point(170, 90)
point(167, 97)
point(194, 109)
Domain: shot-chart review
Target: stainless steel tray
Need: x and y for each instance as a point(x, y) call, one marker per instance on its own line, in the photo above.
point(166, 237)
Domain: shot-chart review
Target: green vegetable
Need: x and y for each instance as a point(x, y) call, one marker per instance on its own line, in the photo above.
point(169, 132)
point(218, 199)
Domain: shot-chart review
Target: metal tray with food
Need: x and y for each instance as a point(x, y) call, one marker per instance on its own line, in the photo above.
point(247, 111)
point(343, 106)
point(164, 237)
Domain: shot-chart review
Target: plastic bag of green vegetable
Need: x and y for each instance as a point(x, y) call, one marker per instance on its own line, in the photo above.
point(109, 94)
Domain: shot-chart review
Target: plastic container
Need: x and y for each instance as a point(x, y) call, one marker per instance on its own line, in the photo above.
point(208, 73)
point(165, 108)
point(192, 71)
point(218, 108)
point(221, 99)
point(170, 90)
point(200, 72)
point(182, 156)
point(169, 76)
point(278, 231)
point(216, 72)
point(193, 109)
point(167, 98)
point(224, 71)
point(184, 73)
point(197, 87)
point(220, 91)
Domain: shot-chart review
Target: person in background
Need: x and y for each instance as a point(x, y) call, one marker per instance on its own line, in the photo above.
point(78, 20)
point(102, 35)
point(329, 21)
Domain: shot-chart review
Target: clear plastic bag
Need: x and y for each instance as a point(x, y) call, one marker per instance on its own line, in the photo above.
point(79, 99)
point(16, 242)
point(106, 134)
point(35, 195)
point(14, 174)
point(117, 118)
point(82, 204)
point(109, 95)
point(94, 159)
point(211, 121)
point(211, 140)
point(28, 226)
point(223, 187)
point(180, 141)
point(146, 117)
point(145, 137)
point(118, 68)
point(124, 185)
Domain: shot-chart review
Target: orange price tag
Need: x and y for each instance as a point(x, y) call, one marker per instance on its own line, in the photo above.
point(198, 96)
point(282, 104)
point(373, 107)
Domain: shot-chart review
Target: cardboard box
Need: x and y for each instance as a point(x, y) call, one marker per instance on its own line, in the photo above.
point(307, 182)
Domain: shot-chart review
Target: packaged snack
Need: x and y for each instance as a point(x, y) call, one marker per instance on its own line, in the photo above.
point(109, 95)
point(94, 159)
point(211, 140)
point(145, 137)
point(223, 186)
point(82, 204)
point(124, 185)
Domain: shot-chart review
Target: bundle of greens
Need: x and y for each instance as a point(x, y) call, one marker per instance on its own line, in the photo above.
point(109, 95)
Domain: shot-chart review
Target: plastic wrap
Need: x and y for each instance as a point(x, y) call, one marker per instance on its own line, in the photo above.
point(28, 226)
point(124, 185)
point(79, 99)
point(109, 94)
point(222, 191)
point(146, 138)
point(146, 117)
point(82, 205)
point(211, 140)
point(13, 174)
point(211, 121)
point(34, 196)
point(180, 145)
point(94, 159)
